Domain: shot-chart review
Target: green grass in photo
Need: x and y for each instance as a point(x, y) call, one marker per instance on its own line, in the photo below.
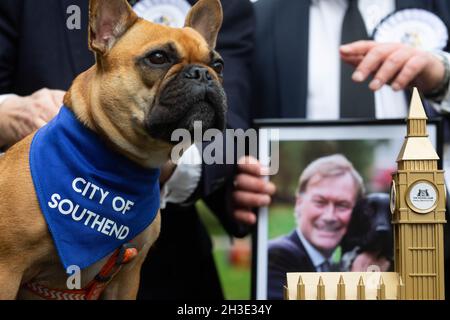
point(235, 280)
point(281, 220)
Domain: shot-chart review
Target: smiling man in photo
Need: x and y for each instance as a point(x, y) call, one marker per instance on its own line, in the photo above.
point(329, 188)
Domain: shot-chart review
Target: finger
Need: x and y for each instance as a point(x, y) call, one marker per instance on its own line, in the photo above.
point(246, 182)
point(245, 216)
point(252, 166)
point(353, 60)
point(21, 129)
point(38, 123)
point(43, 91)
point(49, 101)
point(248, 160)
point(352, 56)
point(410, 71)
point(357, 267)
point(47, 107)
point(390, 68)
point(47, 110)
point(361, 47)
point(58, 97)
point(371, 62)
point(385, 265)
point(250, 199)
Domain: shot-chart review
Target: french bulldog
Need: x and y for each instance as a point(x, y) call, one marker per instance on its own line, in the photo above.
point(148, 80)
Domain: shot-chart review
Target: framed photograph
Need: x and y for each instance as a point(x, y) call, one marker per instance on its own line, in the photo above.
point(333, 181)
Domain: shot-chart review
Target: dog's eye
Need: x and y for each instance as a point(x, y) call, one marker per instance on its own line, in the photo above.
point(218, 66)
point(158, 57)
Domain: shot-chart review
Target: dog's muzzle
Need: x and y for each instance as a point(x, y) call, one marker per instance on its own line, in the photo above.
point(192, 96)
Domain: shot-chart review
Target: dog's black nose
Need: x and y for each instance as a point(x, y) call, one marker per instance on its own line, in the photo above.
point(198, 73)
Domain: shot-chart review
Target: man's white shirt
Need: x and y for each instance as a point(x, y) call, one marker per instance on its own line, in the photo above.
point(325, 27)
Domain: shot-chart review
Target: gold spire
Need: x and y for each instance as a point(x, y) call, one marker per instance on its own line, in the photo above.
point(400, 289)
point(381, 290)
point(320, 290)
point(285, 293)
point(341, 289)
point(361, 289)
point(300, 289)
point(417, 145)
point(416, 110)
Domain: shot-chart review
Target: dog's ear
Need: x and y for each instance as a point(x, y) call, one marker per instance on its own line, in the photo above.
point(206, 17)
point(108, 21)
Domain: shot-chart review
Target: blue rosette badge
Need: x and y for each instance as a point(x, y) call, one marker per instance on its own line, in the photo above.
point(416, 27)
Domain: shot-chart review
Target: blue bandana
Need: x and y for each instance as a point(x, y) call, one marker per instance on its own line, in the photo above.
point(93, 198)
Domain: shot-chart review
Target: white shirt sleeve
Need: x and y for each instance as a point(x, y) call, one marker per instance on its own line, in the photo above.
point(184, 179)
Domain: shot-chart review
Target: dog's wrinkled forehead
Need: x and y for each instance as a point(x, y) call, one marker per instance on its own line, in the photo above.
point(116, 32)
point(187, 43)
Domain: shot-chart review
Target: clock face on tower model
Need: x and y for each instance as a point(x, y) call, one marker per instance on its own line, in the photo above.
point(393, 197)
point(422, 196)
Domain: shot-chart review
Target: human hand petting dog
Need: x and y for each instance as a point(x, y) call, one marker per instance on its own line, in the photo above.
point(396, 64)
point(19, 116)
point(251, 191)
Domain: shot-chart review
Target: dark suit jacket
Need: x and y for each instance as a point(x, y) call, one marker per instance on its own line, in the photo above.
point(286, 254)
point(281, 54)
point(37, 50)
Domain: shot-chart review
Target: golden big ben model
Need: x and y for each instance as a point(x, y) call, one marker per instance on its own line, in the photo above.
point(418, 217)
point(418, 209)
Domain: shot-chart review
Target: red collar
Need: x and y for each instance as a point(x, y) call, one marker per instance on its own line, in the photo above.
point(95, 288)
